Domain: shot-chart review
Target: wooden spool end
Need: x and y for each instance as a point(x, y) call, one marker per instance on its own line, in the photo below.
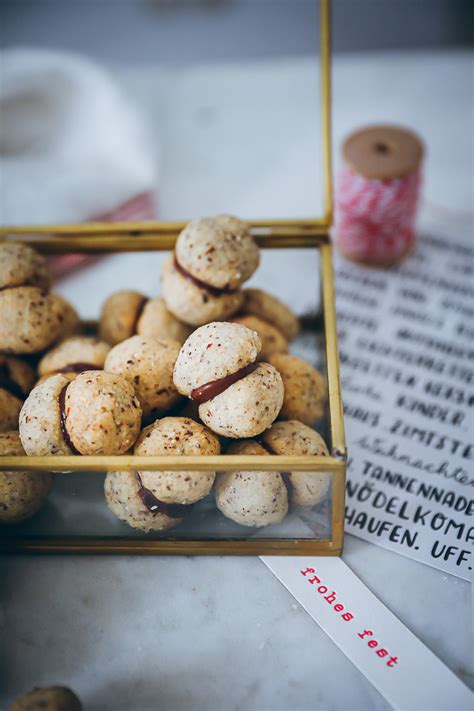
point(383, 152)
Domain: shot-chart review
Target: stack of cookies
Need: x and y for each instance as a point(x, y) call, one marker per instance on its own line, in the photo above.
point(203, 369)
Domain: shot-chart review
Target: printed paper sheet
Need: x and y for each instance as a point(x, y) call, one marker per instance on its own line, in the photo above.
point(407, 367)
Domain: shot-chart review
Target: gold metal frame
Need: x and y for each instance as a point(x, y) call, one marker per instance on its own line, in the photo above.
point(136, 237)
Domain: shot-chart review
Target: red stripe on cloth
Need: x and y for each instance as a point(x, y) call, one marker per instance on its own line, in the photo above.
point(140, 208)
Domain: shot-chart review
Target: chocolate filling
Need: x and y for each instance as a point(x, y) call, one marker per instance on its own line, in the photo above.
point(284, 475)
point(156, 506)
point(213, 290)
point(8, 384)
point(62, 419)
point(216, 387)
point(78, 368)
point(140, 309)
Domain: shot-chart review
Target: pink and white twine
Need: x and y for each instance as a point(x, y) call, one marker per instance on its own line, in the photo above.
point(375, 219)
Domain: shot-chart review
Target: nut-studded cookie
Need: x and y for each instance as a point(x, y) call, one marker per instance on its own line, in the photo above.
point(29, 320)
point(158, 322)
point(156, 501)
point(213, 257)
point(251, 498)
point(218, 251)
point(74, 355)
point(147, 363)
point(193, 303)
point(20, 265)
point(119, 315)
point(216, 367)
point(132, 503)
point(102, 413)
point(305, 389)
point(21, 493)
point(295, 438)
point(67, 315)
point(272, 340)
point(128, 313)
point(178, 436)
point(271, 309)
point(97, 413)
point(41, 419)
point(16, 380)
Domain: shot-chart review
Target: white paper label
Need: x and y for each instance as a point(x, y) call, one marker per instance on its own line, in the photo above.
point(407, 367)
point(400, 667)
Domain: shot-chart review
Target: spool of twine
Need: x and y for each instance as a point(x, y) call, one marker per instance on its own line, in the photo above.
point(377, 195)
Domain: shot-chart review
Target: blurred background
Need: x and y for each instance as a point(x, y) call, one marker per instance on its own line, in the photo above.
point(207, 105)
point(170, 30)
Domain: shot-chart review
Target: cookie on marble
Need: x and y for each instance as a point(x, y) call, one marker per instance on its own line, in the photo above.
point(147, 363)
point(272, 340)
point(21, 493)
point(271, 309)
point(251, 498)
point(53, 698)
point(192, 303)
point(216, 367)
point(20, 265)
point(16, 380)
point(29, 320)
point(74, 355)
point(305, 389)
point(96, 413)
point(295, 438)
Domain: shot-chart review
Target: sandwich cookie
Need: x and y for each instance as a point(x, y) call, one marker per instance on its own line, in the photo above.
point(156, 501)
point(217, 368)
point(96, 413)
point(213, 257)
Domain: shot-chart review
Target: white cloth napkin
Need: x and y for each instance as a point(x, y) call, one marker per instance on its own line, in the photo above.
point(72, 147)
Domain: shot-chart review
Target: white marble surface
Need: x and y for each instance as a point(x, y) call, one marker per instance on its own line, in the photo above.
point(131, 633)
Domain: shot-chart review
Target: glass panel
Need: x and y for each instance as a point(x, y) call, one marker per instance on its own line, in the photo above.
point(230, 98)
point(76, 506)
